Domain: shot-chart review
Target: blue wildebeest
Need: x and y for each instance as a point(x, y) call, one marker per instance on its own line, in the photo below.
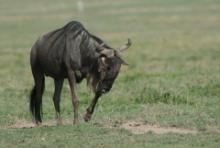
point(72, 52)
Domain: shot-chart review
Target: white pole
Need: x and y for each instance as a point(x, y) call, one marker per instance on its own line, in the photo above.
point(80, 6)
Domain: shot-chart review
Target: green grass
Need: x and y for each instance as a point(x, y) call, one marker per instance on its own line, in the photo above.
point(173, 77)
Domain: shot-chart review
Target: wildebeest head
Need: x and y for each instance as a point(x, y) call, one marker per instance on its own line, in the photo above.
point(108, 67)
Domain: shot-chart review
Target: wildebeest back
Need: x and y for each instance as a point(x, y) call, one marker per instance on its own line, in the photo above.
point(68, 47)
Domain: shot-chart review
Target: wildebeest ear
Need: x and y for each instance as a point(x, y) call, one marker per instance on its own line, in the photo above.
point(123, 62)
point(117, 54)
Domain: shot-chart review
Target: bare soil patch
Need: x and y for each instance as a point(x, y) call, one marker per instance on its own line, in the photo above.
point(141, 128)
point(28, 124)
point(135, 127)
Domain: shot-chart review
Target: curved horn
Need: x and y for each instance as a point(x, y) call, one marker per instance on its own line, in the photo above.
point(126, 46)
point(108, 52)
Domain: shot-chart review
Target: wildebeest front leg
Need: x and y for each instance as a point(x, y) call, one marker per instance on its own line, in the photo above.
point(56, 99)
point(91, 108)
point(75, 101)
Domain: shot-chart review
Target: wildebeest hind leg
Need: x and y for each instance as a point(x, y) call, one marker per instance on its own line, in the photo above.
point(56, 99)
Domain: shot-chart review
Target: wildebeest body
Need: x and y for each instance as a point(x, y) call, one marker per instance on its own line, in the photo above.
point(72, 52)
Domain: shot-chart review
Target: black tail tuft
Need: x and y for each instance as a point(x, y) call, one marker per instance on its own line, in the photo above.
point(32, 100)
point(35, 105)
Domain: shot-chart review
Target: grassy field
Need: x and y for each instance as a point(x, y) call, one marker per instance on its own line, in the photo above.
point(173, 79)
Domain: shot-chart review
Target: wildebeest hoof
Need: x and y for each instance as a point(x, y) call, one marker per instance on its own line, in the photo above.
point(38, 123)
point(87, 117)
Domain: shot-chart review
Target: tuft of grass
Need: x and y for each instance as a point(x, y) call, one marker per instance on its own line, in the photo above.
point(209, 90)
point(151, 95)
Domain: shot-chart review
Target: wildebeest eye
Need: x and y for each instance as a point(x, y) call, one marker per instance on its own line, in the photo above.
point(108, 68)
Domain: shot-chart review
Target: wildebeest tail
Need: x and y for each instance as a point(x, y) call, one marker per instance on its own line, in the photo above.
point(36, 104)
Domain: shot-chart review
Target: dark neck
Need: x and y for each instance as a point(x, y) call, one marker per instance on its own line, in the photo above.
point(89, 68)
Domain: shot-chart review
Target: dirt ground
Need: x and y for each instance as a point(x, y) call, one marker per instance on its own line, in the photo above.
point(135, 127)
point(141, 128)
